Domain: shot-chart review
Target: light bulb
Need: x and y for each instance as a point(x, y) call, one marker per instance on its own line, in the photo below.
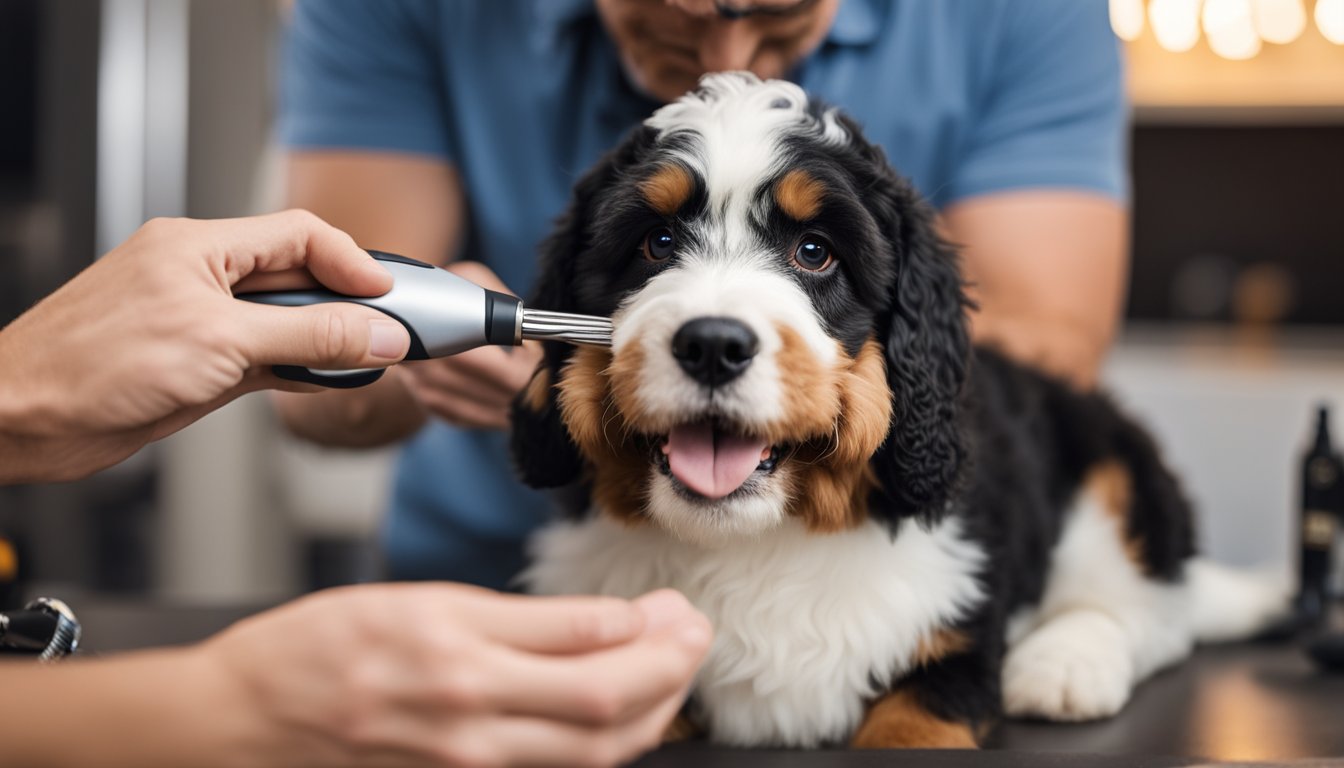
point(1175, 23)
point(1230, 27)
point(1330, 20)
point(1127, 18)
point(1280, 21)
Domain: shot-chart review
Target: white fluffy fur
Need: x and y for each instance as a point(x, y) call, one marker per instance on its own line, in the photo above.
point(804, 623)
point(1102, 626)
point(1229, 604)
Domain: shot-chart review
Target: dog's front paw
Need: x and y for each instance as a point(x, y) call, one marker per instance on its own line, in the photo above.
point(1075, 667)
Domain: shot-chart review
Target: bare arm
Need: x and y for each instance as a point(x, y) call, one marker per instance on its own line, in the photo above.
point(339, 679)
point(1048, 269)
point(405, 204)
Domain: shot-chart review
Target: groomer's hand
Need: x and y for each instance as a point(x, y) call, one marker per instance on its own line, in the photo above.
point(150, 338)
point(447, 675)
point(473, 389)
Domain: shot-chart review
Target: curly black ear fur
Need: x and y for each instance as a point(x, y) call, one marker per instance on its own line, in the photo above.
point(925, 340)
point(543, 452)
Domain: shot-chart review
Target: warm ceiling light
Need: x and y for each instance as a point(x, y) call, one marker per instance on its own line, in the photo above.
point(1127, 18)
point(1280, 21)
point(1175, 23)
point(1330, 20)
point(1230, 27)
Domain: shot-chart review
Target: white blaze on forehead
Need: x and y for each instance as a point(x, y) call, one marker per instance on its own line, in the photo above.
point(735, 123)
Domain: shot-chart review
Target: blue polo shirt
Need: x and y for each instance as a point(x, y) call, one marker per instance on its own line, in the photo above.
point(968, 97)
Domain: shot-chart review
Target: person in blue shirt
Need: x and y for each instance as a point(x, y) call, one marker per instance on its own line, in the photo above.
point(453, 131)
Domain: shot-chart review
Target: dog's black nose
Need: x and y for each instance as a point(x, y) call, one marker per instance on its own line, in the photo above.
point(714, 350)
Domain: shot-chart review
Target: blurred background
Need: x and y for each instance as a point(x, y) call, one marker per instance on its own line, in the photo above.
point(116, 111)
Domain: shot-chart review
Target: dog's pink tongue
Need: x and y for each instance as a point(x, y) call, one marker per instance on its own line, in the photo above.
point(712, 464)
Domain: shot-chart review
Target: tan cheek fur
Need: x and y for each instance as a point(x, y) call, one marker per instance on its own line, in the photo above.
point(620, 471)
point(832, 480)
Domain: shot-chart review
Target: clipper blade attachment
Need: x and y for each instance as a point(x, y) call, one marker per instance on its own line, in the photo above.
point(584, 330)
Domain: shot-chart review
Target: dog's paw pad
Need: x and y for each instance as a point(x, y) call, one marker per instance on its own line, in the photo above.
point(1066, 676)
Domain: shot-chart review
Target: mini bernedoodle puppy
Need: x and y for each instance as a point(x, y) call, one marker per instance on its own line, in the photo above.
point(898, 537)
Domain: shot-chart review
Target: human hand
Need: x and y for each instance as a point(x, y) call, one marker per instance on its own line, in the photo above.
point(448, 675)
point(475, 388)
point(150, 338)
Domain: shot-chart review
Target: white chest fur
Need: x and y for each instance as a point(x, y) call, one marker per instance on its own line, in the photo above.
point(804, 623)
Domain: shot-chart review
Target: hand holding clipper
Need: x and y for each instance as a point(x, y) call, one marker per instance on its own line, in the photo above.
point(445, 314)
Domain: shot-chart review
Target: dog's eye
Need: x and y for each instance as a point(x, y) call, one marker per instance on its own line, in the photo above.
point(813, 254)
point(659, 244)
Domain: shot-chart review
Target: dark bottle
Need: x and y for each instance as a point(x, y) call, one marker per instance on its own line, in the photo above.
point(1322, 491)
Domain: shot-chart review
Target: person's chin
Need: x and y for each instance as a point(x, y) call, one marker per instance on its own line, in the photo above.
point(660, 82)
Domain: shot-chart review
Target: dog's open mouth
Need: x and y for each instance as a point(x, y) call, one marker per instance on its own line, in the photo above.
point(711, 460)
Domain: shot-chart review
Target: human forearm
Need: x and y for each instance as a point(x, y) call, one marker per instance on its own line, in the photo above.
point(162, 708)
point(1047, 269)
point(37, 441)
point(1065, 348)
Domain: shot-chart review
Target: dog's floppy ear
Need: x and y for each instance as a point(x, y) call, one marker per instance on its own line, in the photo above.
point(925, 341)
point(543, 452)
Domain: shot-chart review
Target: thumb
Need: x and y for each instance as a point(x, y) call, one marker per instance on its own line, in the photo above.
point(336, 335)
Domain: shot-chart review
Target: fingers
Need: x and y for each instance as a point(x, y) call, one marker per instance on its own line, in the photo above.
point(606, 687)
point(323, 336)
point(449, 378)
point(507, 368)
point(474, 389)
point(459, 411)
point(283, 280)
point(556, 625)
point(294, 239)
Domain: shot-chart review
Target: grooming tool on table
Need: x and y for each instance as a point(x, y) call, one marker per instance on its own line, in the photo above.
point(445, 314)
point(45, 628)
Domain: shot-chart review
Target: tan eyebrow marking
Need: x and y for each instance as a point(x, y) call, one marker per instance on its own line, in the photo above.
point(799, 194)
point(668, 189)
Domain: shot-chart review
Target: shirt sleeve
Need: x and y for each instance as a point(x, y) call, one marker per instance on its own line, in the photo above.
point(1053, 112)
point(364, 75)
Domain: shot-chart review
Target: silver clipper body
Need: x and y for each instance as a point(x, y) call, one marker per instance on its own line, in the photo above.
point(445, 314)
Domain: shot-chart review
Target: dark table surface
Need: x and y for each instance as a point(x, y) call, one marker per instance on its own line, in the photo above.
point(1243, 702)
